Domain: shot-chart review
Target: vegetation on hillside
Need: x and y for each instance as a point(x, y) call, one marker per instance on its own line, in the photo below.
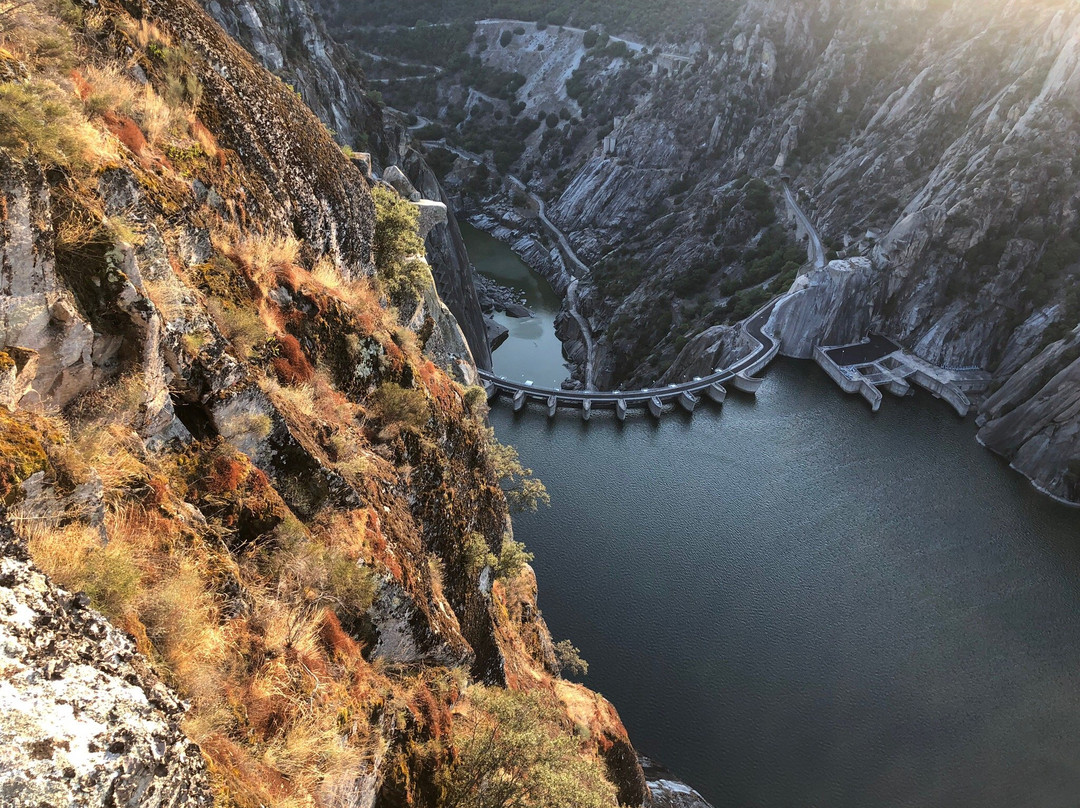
point(321, 465)
point(619, 16)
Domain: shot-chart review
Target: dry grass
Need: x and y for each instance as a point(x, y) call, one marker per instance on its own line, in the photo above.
point(244, 328)
point(297, 403)
point(326, 274)
point(169, 297)
point(266, 260)
point(244, 622)
point(74, 556)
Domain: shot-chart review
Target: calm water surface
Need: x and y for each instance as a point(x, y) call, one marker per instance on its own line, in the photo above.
point(533, 352)
point(794, 602)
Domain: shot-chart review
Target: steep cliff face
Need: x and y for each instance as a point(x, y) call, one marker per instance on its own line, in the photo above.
point(936, 139)
point(226, 416)
point(1032, 419)
point(291, 42)
point(833, 305)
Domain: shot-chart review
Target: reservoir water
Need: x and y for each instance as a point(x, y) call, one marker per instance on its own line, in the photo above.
point(533, 351)
point(795, 602)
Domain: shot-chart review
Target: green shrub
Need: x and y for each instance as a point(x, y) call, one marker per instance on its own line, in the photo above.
point(477, 554)
point(476, 400)
point(350, 585)
point(513, 751)
point(394, 404)
point(398, 246)
point(111, 579)
point(513, 557)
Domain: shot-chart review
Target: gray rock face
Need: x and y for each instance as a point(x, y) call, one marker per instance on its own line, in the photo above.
point(37, 314)
point(1034, 420)
point(83, 721)
point(449, 262)
point(717, 347)
point(667, 790)
point(289, 39)
point(829, 306)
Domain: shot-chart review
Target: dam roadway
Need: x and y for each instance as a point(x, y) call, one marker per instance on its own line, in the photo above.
point(687, 394)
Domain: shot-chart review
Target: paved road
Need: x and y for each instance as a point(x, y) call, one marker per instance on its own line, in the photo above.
point(816, 250)
point(571, 292)
point(586, 333)
point(754, 327)
point(564, 243)
point(565, 249)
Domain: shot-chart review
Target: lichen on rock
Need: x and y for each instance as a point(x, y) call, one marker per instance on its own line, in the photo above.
point(83, 720)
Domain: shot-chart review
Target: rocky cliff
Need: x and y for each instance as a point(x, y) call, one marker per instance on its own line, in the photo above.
point(85, 721)
point(936, 139)
point(291, 42)
point(227, 416)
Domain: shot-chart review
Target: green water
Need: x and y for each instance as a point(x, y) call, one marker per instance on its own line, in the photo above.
point(533, 351)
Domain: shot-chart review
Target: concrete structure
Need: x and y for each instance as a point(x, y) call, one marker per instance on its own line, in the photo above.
point(673, 63)
point(877, 363)
point(687, 395)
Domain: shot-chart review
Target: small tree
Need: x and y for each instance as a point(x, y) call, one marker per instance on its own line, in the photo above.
point(399, 250)
point(569, 658)
point(477, 554)
point(523, 491)
point(512, 559)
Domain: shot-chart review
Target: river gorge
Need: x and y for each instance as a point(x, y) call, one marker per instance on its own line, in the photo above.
point(795, 601)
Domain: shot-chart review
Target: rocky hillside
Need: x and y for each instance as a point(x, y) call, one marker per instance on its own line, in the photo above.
point(290, 41)
point(937, 139)
point(229, 416)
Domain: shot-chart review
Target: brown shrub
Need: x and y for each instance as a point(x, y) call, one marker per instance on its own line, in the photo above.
point(339, 645)
point(292, 366)
point(127, 132)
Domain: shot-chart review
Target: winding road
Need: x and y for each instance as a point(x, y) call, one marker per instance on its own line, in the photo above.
point(815, 250)
point(571, 292)
point(567, 252)
point(741, 371)
point(754, 327)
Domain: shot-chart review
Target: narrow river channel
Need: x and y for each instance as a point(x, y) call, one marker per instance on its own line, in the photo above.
point(533, 351)
point(795, 602)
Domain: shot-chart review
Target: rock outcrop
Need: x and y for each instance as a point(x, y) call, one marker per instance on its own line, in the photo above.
point(833, 305)
point(667, 790)
point(714, 348)
point(291, 42)
point(83, 719)
point(1033, 420)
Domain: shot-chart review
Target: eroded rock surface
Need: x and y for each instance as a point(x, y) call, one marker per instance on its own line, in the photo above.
point(83, 720)
point(833, 305)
